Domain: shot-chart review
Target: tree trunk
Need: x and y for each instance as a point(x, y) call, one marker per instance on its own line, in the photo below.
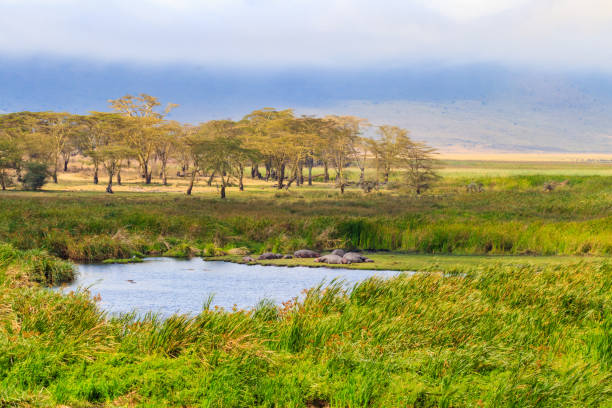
point(190, 188)
point(310, 163)
point(281, 176)
point(109, 187)
point(95, 176)
point(326, 172)
point(341, 188)
point(66, 160)
point(241, 176)
point(255, 174)
point(2, 180)
point(119, 177)
point(223, 190)
point(362, 176)
point(268, 171)
point(147, 173)
point(164, 175)
point(210, 179)
point(55, 173)
point(301, 174)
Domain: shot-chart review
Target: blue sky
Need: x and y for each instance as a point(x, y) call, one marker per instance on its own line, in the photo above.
point(545, 34)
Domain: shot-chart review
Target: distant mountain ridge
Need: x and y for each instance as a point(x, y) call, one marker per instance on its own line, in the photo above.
point(480, 107)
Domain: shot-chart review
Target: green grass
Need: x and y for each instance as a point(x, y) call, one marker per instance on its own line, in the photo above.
point(123, 260)
point(512, 217)
point(434, 263)
point(33, 266)
point(499, 327)
point(491, 335)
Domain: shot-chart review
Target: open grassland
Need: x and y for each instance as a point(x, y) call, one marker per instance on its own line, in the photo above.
point(513, 216)
point(485, 336)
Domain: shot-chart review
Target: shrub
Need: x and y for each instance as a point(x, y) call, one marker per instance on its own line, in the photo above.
point(36, 176)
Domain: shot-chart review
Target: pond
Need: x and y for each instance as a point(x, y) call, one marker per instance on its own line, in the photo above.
point(169, 285)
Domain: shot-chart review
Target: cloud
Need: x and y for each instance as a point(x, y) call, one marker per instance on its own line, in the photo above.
point(333, 33)
point(465, 10)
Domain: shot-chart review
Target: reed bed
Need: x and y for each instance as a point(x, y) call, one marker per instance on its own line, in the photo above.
point(494, 336)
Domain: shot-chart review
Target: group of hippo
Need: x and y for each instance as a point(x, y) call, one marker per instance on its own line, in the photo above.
point(337, 256)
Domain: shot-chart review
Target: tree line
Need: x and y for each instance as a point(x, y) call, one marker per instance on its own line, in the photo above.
point(274, 145)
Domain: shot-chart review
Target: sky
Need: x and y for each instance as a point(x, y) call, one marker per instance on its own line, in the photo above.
point(493, 73)
point(335, 34)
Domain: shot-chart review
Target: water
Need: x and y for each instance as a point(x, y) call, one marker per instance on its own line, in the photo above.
point(168, 285)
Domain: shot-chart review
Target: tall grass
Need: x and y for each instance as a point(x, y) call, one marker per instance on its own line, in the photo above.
point(513, 216)
point(34, 265)
point(497, 336)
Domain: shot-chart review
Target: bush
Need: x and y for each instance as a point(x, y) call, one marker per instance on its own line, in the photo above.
point(36, 176)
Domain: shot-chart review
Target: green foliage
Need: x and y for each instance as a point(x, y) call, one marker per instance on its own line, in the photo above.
point(500, 336)
point(35, 176)
point(123, 260)
point(511, 217)
point(36, 265)
point(211, 250)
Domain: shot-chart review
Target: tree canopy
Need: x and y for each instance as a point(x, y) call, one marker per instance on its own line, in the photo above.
point(137, 130)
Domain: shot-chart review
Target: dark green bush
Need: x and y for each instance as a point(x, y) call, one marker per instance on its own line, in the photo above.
point(36, 176)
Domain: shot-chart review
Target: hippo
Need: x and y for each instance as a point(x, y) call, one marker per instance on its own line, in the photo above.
point(354, 257)
point(269, 255)
point(306, 253)
point(339, 252)
point(287, 257)
point(330, 259)
point(248, 259)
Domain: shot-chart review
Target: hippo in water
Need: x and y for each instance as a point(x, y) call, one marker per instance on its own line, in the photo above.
point(339, 252)
point(248, 259)
point(306, 253)
point(354, 257)
point(330, 259)
point(269, 255)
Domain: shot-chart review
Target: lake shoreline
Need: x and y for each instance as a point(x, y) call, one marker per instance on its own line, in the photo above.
point(403, 262)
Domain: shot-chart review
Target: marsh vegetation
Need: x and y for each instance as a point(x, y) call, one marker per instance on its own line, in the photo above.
point(491, 336)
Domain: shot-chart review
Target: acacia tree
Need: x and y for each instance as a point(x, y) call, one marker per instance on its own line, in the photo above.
point(223, 157)
point(112, 157)
point(165, 145)
point(342, 137)
point(311, 130)
point(94, 136)
point(216, 146)
point(273, 138)
point(112, 150)
point(244, 154)
point(14, 127)
point(141, 131)
point(420, 166)
point(76, 129)
point(362, 149)
point(56, 128)
point(392, 141)
point(10, 157)
point(192, 143)
point(257, 124)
